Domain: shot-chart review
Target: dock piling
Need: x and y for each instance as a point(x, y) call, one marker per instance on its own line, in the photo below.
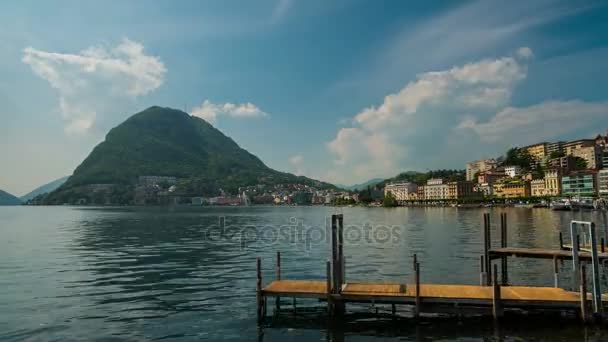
point(417, 300)
point(487, 245)
point(561, 241)
point(503, 243)
point(597, 293)
point(555, 272)
point(278, 299)
point(259, 290)
point(482, 273)
point(497, 311)
point(583, 294)
point(328, 282)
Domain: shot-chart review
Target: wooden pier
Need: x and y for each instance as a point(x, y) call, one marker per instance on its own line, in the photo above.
point(491, 297)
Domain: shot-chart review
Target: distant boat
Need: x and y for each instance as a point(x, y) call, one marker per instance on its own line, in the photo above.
point(561, 204)
point(583, 203)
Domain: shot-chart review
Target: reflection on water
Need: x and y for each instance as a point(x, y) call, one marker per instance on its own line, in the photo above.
point(152, 273)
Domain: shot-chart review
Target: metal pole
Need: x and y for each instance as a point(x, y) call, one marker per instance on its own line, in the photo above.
point(597, 294)
point(575, 261)
point(503, 243)
point(496, 302)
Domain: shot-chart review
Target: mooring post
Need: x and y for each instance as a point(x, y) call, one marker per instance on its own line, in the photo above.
point(487, 244)
point(337, 267)
point(575, 261)
point(496, 302)
point(278, 299)
point(503, 243)
point(329, 299)
point(555, 272)
point(415, 261)
point(482, 273)
point(561, 241)
point(595, 265)
point(603, 245)
point(417, 279)
point(341, 251)
point(583, 294)
point(259, 289)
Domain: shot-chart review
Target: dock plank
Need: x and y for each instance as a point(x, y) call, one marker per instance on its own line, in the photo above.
point(541, 253)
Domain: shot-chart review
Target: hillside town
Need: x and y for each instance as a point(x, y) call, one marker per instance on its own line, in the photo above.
point(576, 168)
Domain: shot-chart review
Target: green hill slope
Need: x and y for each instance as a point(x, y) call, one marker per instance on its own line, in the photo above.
point(8, 199)
point(168, 142)
point(44, 189)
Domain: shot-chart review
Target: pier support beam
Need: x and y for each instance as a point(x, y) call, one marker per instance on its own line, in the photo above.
point(278, 299)
point(504, 272)
point(555, 272)
point(487, 241)
point(583, 293)
point(330, 309)
point(259, 297)
point(417, 280)
point(337, 263)
point(497, 310)
point(482, 272)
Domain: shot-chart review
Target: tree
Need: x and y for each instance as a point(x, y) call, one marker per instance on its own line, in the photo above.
point(556, 154)
point(365, 196)
point(579, 163)
point(389, 200)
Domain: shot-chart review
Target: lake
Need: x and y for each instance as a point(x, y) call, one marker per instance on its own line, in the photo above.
point(189, 273)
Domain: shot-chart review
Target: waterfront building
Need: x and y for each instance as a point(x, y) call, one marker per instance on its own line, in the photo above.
point(479, 166)
point(538, 188)
point(592, 155)
point(512, 189)
point(435, 189)
point(401, 191)
point(420, 192)
point(553, 185)
point(579, 183)
point(605, 158)
point(512, 171)
point(462, 189)
point(602, 183)
point(485, 189)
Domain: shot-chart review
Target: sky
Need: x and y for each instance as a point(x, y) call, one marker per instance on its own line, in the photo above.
point(342, 91)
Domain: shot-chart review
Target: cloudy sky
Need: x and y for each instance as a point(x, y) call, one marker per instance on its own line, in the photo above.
point(342, 91)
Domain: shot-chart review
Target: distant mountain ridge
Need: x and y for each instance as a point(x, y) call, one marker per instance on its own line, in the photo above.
point(168, 142)
point(363, 185)
point(44, 189)
point(8, 199)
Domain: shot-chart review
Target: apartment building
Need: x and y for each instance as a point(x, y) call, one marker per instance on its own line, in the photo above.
point(512, 189)
point(490, 176)
point(602, 183)
point(512, 171)
point(579, 183)
point(479, 166)
point(591, 154)
point(538, 188)
point(538, 152)
point(401, 191)
point(462, 189)
point(553, 185)
point(555, 147)
point(436, 189)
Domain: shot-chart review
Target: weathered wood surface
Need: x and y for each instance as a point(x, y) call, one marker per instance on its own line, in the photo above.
point(540, 253)
point(585, 248)
point(511, 296)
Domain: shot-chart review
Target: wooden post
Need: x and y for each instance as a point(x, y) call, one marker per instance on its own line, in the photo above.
point(555, 272)
point(583, 294)
point(487, 245)
point(341, 251)
point(497, 311)
point(278, 299)
point(575, 261)
point(329, 299)
point(259, 290)
point(417, 278)
point(503, 243)
point(415, 261)
point(598, 308)
point(482, 273)
point(561, 241)
point(603, 245)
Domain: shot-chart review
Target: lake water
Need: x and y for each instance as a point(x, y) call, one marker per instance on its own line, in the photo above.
point(189, 273)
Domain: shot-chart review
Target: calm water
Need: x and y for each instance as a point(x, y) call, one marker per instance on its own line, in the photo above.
point(189, 274)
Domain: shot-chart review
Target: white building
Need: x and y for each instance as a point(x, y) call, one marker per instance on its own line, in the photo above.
point(602, 182)
point(436, 189)
point(512, 171)
point(401, 191)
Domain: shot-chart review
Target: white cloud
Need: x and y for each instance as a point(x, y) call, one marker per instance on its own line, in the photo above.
point(211, 111)
point(296, 162)
point(91, 80)
point(401, 129)
point(525, 52)
point(525, 125)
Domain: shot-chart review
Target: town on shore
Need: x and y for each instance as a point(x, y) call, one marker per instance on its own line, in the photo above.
point(535, 174)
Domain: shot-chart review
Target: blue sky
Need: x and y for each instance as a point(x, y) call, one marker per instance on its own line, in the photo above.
point(342, 91)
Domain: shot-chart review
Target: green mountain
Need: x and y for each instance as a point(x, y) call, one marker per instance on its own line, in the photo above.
point(168, 142)
point(44, 189)
point(361, 186)
point(8, 199)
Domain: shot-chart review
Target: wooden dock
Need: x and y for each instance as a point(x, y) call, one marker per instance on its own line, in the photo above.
point(491, 296)
point(431, 294)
